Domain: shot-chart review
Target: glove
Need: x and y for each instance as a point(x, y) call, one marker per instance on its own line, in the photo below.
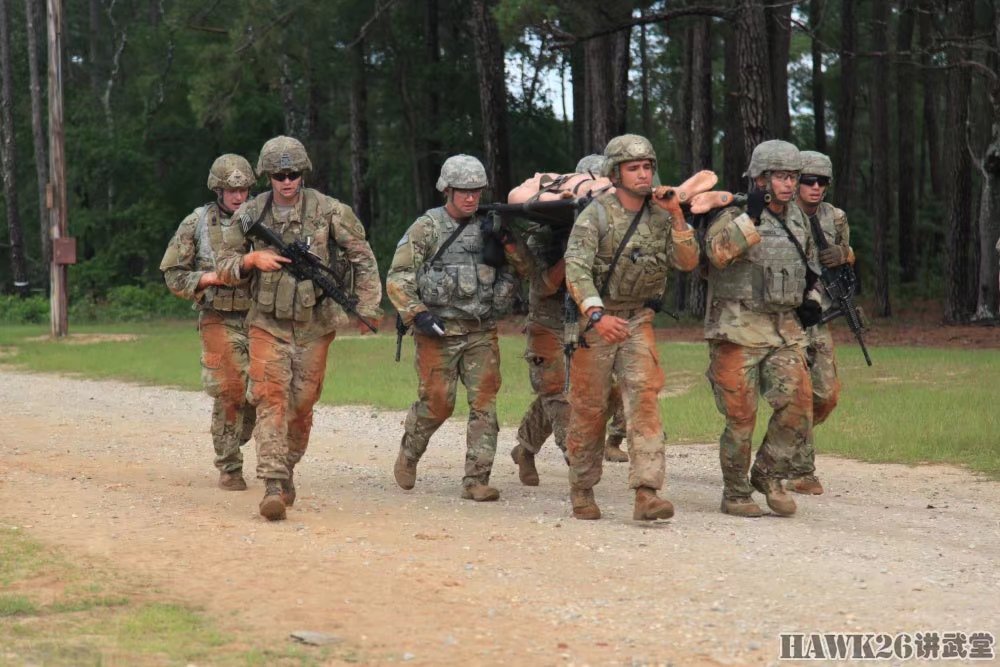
point(756, 201)
point(832, 256)
point(426, 322)
point(810, 313)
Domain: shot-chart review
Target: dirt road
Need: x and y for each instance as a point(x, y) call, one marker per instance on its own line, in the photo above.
point(120, 472)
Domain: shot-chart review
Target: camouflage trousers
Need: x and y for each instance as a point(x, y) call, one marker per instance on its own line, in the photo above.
point(441, 362)
point(738, 376)
point(286, 380)
point(826, 392)
point(636, 364)
point(224, 364)
point(548, 414)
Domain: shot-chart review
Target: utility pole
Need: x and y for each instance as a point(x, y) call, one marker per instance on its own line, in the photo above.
point(63, 246)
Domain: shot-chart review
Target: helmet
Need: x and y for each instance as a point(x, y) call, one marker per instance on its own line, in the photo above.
point(591, 163)
point(816, 164)
point(230, 172)
point(283, 154)
point(774, 155)
point(463, 172)
point(626, 148)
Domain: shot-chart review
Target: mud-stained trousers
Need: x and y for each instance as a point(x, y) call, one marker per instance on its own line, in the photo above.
point(286, 380)
point(548, 414)
point(441, 361)
point(224, 362)
point(636, 364)
point(739, 375)
point(822, 364)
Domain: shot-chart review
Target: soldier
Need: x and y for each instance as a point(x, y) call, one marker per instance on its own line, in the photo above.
point(188, 268)
point(446, 281)
point(756, 281)
point(817, 172)
point(617, 259)
point(291, 325)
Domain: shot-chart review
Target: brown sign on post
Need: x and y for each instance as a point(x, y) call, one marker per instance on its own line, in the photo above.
point(64, 250)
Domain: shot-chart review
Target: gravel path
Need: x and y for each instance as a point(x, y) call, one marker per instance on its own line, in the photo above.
point(123, 472)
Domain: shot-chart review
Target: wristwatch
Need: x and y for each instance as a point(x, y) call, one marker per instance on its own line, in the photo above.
point(595, 317)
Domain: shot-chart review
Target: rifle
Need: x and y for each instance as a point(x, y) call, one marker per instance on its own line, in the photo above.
point(571, 334)
point(305, 266)
point(401, 330)
point(841, 285)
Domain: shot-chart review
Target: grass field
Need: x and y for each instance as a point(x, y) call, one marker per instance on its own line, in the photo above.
point(915, 405)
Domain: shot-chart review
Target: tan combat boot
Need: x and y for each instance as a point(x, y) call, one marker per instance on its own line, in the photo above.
point(806, 484)
point(525, 461)
point(744, 506)
point(232, 481)
point(405, 471)
point(584, 505)
point(271, 507)
point(613, 451)
point(649, 506)
point(288, 490)
point(779, 501)
point(481, 493)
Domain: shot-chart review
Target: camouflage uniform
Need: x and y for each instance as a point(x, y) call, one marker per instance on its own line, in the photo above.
point(756, 279)
point(290, 331)
point(640, 276)
point(467, 295)
point(221, 313)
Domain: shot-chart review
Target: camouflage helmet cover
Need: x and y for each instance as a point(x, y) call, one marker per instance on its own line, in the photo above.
point(463, 172)
point(230, 172)
point(626, 148)
point(590, 163)
point(816, 164)
point(774, 155)
point(283, 154)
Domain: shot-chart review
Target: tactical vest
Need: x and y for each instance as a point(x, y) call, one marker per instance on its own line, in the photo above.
point(545, 310)
point(279, 292)
point(771, 276)
point(642, 269)
point(458, 285)
point(208, 234)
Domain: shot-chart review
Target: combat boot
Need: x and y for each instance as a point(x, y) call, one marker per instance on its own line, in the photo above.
point(649, 506)
point(742, 506)
point(525, 461)
point(584, 505)
point(405, 471)
point(288, 490)
point(779, 501)
point(613, 451)
point(480, 493)
point(271, 507)
point(806, 484)
point(232, 481)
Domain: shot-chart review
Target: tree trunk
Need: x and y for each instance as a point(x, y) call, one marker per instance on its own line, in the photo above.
point(846, 105)
point(906, 150)
point(931, 82)
point(779, 42)
point(701, 133)
point(8, 153)
point(431, 147)
point(37, 128)
point(94, 45)
point(818, 92)
point(683, 109)
point(988, 294)
point(582, 145)
point(754, 74)
point(733, 144)
point(960, 299)
point(880, 160)
point(606, 63)
point(361, 195)
point(492, 95)
point(647, 115)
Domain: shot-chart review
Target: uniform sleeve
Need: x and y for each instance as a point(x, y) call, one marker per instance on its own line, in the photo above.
point(349, 234)
point(684, 251)
point(581, 250)
point(178, 264)
point(519, 257)
point(401, 282)
point(843, 233)
point(729, 237)
point(229, 260)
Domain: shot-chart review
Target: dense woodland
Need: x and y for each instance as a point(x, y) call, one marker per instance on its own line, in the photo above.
point(904, 95)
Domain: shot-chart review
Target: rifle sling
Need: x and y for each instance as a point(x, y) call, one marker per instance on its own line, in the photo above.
point(621, 247)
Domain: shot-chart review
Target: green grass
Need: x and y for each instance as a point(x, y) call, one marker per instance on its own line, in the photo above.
point(915, 405)
point(16, 605)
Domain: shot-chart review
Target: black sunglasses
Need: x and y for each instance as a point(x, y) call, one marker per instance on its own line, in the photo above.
point(287, 176)
point(813, 180)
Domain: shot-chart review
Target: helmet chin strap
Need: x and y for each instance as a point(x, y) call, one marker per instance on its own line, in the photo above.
point(221, 203)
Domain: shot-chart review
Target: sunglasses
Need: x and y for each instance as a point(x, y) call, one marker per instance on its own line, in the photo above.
point(287, 176)
point(814, 180)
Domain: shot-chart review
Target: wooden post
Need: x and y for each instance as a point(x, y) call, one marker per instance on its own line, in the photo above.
point(57, 172)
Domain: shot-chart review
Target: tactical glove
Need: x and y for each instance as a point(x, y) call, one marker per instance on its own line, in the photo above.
point(429, 324)
point(756, 201)
point(810, 313)
point(832, 256)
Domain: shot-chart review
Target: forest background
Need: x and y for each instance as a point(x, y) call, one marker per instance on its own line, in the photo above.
point(904, 96)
